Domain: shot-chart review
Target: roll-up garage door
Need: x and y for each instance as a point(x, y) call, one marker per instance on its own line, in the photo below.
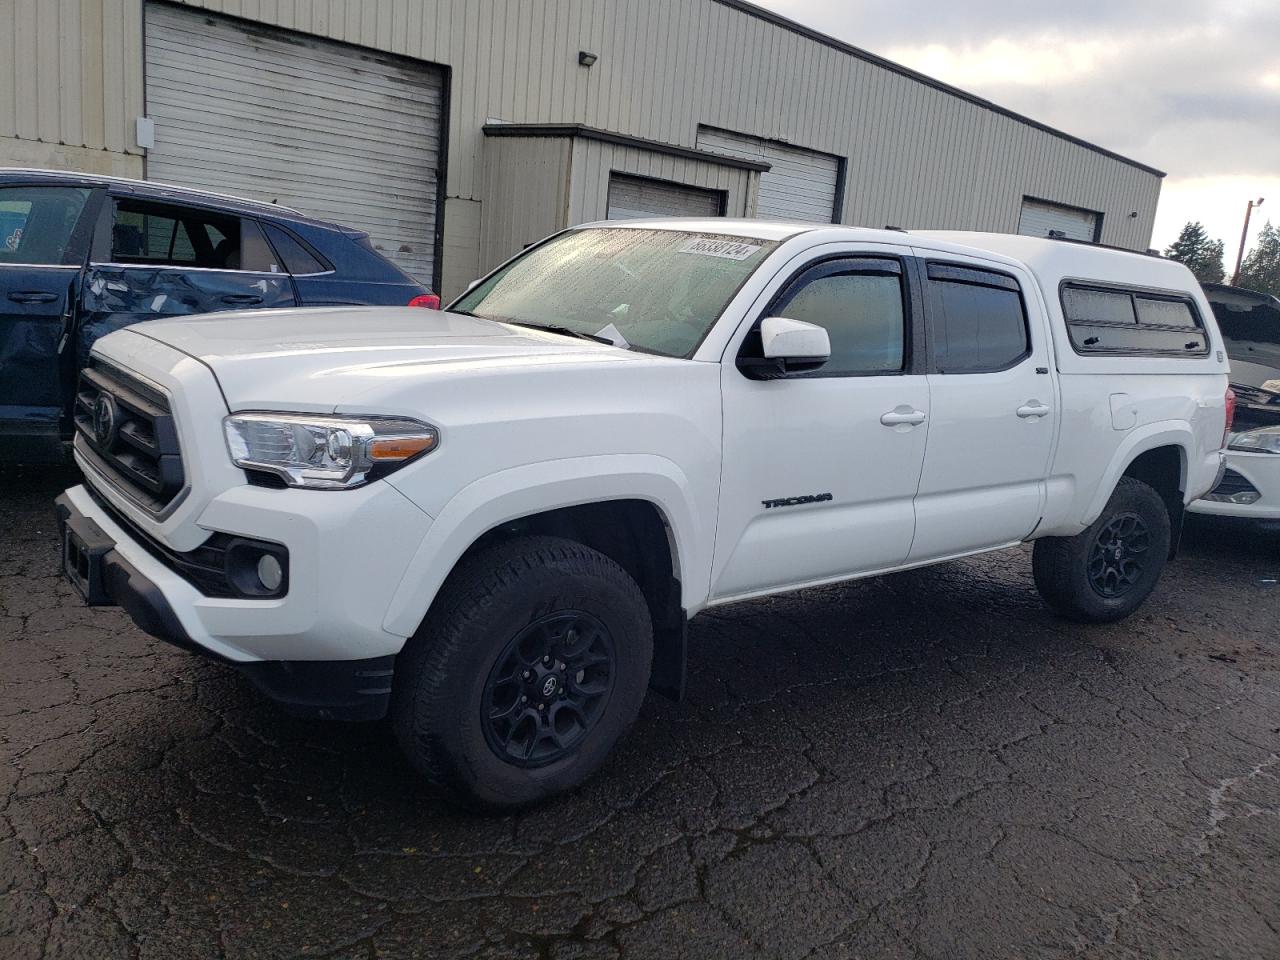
point(338, 132)
point(1041, 219)
point(632, 197)
point(800, 184)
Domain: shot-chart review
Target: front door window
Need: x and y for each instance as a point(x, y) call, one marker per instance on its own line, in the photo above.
point(820, 468)
point(37, 224)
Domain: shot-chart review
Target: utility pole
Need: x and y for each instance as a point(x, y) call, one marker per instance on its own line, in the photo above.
point(1248, 212)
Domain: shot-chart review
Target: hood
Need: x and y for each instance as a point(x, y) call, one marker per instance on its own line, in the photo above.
point(321, 358)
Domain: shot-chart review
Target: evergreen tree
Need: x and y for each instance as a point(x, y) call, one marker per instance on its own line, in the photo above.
point(1261, 268)
point(1202, 256)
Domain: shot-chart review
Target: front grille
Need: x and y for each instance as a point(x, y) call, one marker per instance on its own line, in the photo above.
point(222, 566)
point(125, 429)
point(204, 567)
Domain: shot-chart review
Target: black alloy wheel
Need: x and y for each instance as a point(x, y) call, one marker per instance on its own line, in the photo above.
point(548, 688)
point(528, 669)
point(1104, 573)
point(1118, 555)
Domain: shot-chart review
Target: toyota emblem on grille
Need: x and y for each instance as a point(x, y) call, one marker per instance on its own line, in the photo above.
point(104, 420)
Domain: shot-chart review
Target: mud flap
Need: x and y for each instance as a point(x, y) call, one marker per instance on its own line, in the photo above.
point(670, 658)
point(1177, 520)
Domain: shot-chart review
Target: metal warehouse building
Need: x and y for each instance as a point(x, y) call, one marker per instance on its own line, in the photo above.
point(457, 131)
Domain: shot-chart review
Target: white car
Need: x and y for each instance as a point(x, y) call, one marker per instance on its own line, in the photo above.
point(1250, 326)
point(494, 523)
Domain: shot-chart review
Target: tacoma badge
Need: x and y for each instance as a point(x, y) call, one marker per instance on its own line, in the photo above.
point(796, 501)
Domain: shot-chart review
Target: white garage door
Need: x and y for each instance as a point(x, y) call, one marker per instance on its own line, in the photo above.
point(801, 184)
point(337, 132)
point(1040, 219)
point(634, 197)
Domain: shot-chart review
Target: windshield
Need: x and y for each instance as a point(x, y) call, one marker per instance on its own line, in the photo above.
point(655, 290)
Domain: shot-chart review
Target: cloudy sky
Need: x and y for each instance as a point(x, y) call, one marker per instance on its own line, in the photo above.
point(1189, 88)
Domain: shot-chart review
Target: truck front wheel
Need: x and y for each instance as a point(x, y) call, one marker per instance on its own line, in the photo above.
point(1106, 572)
point(531, 665)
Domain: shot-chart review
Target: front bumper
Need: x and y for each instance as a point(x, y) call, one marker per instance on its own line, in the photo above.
point(311, 647)
point(1261, 471)
point(100, 567)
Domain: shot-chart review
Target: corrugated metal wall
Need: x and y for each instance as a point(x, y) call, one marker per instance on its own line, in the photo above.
point(593, 161)
point(527, 194)
point(71, 84)
point(799, 185)
point(534, 186)
point(917, 156)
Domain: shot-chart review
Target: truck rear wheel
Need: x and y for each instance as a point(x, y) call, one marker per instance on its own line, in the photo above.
point(531, 665)
point(1106, 572)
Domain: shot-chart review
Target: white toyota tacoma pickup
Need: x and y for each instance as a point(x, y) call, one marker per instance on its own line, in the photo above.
point(494, 523)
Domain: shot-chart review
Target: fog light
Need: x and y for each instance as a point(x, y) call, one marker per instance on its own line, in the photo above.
point(1242, 498)
point(270, 573)
point(256, 568)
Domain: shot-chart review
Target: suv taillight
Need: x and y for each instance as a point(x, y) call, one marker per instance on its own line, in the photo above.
point(429, 300)
point(1231, 415)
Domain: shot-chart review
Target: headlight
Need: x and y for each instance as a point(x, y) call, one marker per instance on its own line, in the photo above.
point(327, 453)
point(1264, 440)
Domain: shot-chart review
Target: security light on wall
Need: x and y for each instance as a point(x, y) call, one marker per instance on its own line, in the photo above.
point(587, 59)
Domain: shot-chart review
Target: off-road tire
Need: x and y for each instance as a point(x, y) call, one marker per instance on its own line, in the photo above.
point(1061, 565)
point(442, 674)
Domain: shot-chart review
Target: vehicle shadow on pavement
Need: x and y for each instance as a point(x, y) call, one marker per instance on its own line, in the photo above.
point(1233, 539)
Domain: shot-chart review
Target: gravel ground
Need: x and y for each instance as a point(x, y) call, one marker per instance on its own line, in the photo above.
point(924, 765)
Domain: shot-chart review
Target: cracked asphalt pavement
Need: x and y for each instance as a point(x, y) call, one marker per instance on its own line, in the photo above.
point(924, 765)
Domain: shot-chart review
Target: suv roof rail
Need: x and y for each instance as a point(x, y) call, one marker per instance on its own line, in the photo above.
point(153, 184)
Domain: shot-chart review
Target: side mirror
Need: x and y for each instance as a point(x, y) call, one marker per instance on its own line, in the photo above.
point(787, 346)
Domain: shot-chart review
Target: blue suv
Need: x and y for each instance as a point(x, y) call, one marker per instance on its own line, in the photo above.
point(81, 256)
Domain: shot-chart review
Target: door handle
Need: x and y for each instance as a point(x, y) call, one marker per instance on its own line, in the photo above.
point(1032, 410)
point(32, 296)
point(900, 416)
point(243, 299)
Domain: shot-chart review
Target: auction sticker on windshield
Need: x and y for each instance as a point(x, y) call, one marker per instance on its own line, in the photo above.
point(727, 249)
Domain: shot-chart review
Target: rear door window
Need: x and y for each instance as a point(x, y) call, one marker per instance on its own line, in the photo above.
point(38, 224)
point(147, 233)
point(256, 254)
point(977, 319)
